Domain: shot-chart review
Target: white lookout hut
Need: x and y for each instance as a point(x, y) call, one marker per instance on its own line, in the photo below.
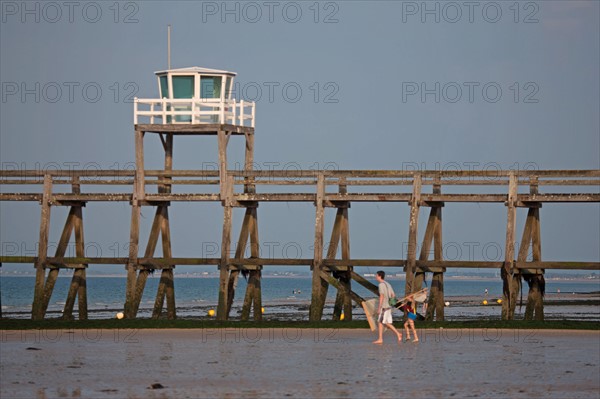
point(195, 95)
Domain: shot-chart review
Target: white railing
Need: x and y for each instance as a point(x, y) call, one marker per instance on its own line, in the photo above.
point(192, 111)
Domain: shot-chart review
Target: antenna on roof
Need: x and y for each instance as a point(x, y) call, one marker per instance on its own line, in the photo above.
point(169, 47)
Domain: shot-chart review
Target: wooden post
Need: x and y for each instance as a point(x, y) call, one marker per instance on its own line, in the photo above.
point(170, 284)
point(253, 291)
point(40, 266)
point(249, 162)
point(222, 143)
point(343, 298)
point(166, 237)
point(346, 280)
point(522, 257)
point(437, 283)
point(134, 233)
point(340, 231)
point(433, 234)
point(319, 286)
point(253, 294)
point(535, 278)
point(80, 252)
point(139, 165)
point(166, 284)
point(255, 275)
point(225, 246)
point(133, 260)
point(539, 283)
point(254, 280)
point(411, 256)
point(508, 273)
point(332, 248)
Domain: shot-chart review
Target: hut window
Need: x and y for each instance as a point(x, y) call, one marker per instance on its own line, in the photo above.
point(164, 88)
point(210, 87)
point(183, 86)
point(228, 88)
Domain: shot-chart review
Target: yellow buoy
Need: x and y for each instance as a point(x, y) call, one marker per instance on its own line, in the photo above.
point(262, 310)
point(211, 312)
point(342, 316)
point(485, 302)
point(120, 315)
point(499, 301)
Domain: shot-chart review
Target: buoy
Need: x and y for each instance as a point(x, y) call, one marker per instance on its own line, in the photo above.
point(484, 302)
point(342, 316)
point(120, 315)
point(262, 310)
point(211, 312)
point(447, 303)
point(499, 301)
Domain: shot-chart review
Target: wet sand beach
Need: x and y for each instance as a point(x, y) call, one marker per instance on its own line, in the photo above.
point(274, 363)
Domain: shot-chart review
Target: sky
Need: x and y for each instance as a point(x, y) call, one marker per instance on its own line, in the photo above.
point(338, 85)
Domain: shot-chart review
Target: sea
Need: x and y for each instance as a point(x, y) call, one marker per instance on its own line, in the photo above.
point(288, 298)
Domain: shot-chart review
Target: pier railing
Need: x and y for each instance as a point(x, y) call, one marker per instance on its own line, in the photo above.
point(194, 111)
point(350, 185)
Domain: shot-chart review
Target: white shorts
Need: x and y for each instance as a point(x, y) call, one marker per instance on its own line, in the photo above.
point(385, 316)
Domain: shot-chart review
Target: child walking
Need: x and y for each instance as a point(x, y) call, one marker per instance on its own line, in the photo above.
point(409, 324)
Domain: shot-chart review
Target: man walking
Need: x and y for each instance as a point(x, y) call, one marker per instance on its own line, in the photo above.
point(385, 310)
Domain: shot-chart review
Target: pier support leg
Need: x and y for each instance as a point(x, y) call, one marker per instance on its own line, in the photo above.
point(249, 229)
point(346, 276)
point(411, 256)
point(134, 232)
point(341, 232)
point(40, 272)
point(510, 277)
point(319, 285)
point(433, 235)
point(332, 248)
point(253, 297)
point(253, 291)
point(535, 299)
point(224, 264)
point(534, 277)
point(166, 285)
point(436, 298)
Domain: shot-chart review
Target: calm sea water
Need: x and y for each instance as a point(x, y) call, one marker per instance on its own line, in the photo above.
point(193, 296)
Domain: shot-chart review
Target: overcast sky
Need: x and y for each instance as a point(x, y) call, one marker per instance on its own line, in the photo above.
point(345, 85)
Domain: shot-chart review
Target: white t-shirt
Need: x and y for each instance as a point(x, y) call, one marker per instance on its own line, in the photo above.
point(388, 292)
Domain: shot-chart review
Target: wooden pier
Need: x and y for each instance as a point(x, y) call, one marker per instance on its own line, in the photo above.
point(334, 190)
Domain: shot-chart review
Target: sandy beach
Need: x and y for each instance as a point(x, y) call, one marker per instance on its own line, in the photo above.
point(231, 363)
